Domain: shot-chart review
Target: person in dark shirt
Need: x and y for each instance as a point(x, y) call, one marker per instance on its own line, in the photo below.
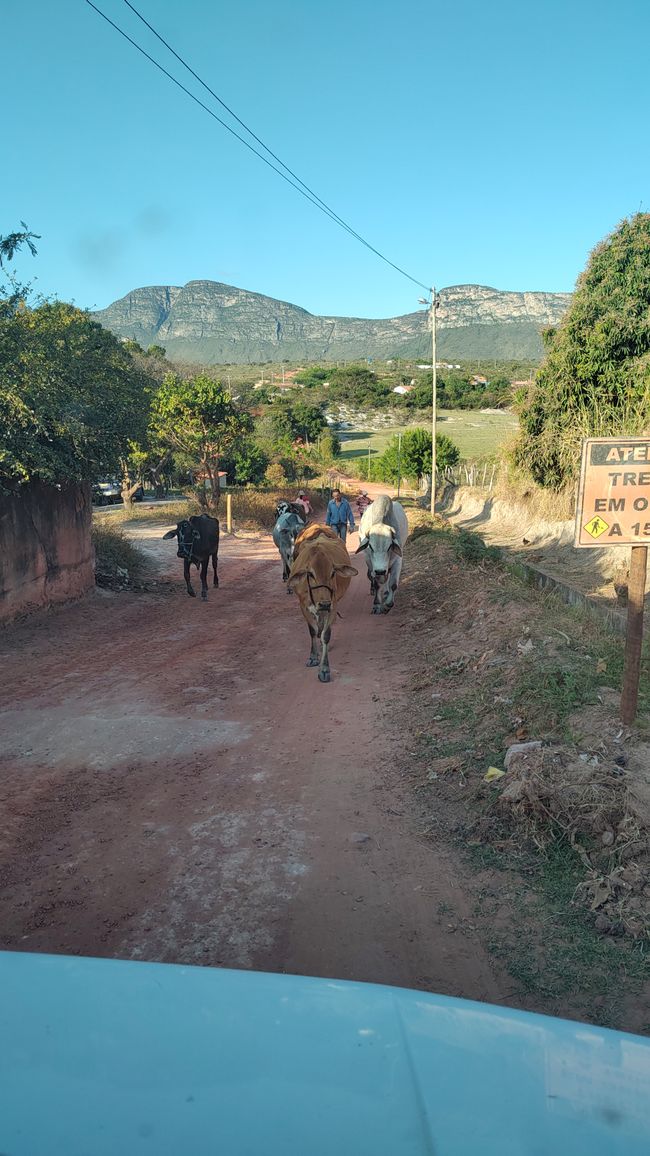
point(339, 515)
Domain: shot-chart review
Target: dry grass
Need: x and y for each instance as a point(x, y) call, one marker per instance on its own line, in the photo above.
point(549, 795)
point(254, 509)
point(546, 505)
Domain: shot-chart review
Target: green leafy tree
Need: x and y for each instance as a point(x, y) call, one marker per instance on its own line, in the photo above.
point(595, 380)
point(414, 459)
point(307, 420)
point(246, 464)
point(312, 377)
point(11, 291)
point(198, 421)
point(71, 398)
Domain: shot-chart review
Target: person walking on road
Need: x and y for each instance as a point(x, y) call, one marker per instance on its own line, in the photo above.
point(339, 515)
point(303, 500)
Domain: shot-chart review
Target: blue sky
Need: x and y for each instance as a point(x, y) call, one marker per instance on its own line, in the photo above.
point(469, 142)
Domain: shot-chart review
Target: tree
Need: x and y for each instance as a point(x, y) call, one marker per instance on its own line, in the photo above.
point(413, 459)
point(71, 398)
point(595, 379)
point(246, 464)
point(307, 420)
point(197, 419)
point(13, 292)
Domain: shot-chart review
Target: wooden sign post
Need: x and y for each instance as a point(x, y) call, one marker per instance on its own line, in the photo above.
point(614, 510)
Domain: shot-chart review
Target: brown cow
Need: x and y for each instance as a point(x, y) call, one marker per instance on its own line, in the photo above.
point(320, 576)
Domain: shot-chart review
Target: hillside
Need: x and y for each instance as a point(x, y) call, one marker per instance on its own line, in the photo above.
point(213, 323)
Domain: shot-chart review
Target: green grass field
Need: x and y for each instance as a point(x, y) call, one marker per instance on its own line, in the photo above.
point(479, 436)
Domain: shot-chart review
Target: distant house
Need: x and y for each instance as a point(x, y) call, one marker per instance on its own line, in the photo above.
point(478, 379)
point(201, 476)
point(402, 389)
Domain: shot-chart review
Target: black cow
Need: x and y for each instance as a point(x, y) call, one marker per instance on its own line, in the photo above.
point(198, 541)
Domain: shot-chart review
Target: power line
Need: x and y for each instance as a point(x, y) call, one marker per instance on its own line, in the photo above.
point(300, 187)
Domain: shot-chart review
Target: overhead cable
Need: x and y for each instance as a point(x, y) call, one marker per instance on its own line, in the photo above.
point(300, 186)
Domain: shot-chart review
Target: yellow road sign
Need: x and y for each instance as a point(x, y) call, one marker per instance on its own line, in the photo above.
point(614, 495)
point(595, 526)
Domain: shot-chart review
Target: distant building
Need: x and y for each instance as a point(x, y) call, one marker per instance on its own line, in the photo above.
point(402, 389)
point(478, 379)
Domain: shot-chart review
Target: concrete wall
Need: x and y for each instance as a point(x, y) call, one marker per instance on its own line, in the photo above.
point(46, 554)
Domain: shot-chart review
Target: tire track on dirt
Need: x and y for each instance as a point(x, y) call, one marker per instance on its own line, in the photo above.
point(242, 813)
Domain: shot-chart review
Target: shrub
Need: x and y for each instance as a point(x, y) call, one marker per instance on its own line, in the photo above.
point(117, 561)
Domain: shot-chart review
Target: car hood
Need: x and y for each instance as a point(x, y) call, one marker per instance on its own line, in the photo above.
point(103, 1057)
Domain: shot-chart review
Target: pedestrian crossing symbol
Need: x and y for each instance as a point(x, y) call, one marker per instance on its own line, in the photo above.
point(596, 526)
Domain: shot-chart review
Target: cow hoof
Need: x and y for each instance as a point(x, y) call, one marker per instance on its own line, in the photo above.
point(216, 582)
point(312, 662)
point(289, 590)
point(324, 676)
point(204, 597)
point(192, 593)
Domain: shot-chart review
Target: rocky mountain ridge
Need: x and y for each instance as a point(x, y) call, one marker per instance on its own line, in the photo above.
point(212, 323)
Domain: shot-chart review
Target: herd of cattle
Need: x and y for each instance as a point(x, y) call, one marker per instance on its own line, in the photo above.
point(315, 562)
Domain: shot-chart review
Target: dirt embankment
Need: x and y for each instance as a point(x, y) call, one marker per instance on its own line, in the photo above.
point(541, 540)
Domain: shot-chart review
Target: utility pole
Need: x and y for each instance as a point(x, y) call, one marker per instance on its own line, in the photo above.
point(434, 393)
point(399, 462)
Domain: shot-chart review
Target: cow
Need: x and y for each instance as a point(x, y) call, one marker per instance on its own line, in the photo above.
point(296, 508)
point(320, 576)
point(383, 530)
point(198, 542)
point(285, 532)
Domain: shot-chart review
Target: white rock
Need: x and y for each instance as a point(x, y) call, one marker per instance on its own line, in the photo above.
point(520, 749)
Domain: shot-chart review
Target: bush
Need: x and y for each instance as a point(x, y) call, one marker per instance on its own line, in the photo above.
point(118, 563)
point(275, 474)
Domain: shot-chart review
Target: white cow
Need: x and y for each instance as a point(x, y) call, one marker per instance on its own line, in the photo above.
point(383, 530)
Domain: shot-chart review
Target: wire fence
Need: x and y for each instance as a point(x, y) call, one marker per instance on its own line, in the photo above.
point(481, 475)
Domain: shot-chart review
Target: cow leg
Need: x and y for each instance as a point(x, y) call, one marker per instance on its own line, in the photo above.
point(215, 578)
point(204, 578)
point(186, 575)
point(393, 583)
point(324, 672)
point(376, 602)
point(313, 654)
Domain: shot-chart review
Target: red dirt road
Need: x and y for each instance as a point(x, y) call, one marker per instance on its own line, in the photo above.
point(176, 785)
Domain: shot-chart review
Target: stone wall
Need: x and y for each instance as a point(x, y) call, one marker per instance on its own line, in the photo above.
point(46, 554)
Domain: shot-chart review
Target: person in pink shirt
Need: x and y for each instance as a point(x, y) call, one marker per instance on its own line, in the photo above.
point(303, 500)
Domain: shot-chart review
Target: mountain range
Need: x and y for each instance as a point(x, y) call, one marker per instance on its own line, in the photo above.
point(209, 323)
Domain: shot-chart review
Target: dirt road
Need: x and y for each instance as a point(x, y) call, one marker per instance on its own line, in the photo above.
point(176, 785)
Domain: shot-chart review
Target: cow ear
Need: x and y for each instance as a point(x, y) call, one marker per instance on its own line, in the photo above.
point(345, 571)
point(363, 545)
point(397, 549)
point(169, 534)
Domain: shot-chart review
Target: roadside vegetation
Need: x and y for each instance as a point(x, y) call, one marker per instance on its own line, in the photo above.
point(118, 563)
point(595, 380)
point(558, 837)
